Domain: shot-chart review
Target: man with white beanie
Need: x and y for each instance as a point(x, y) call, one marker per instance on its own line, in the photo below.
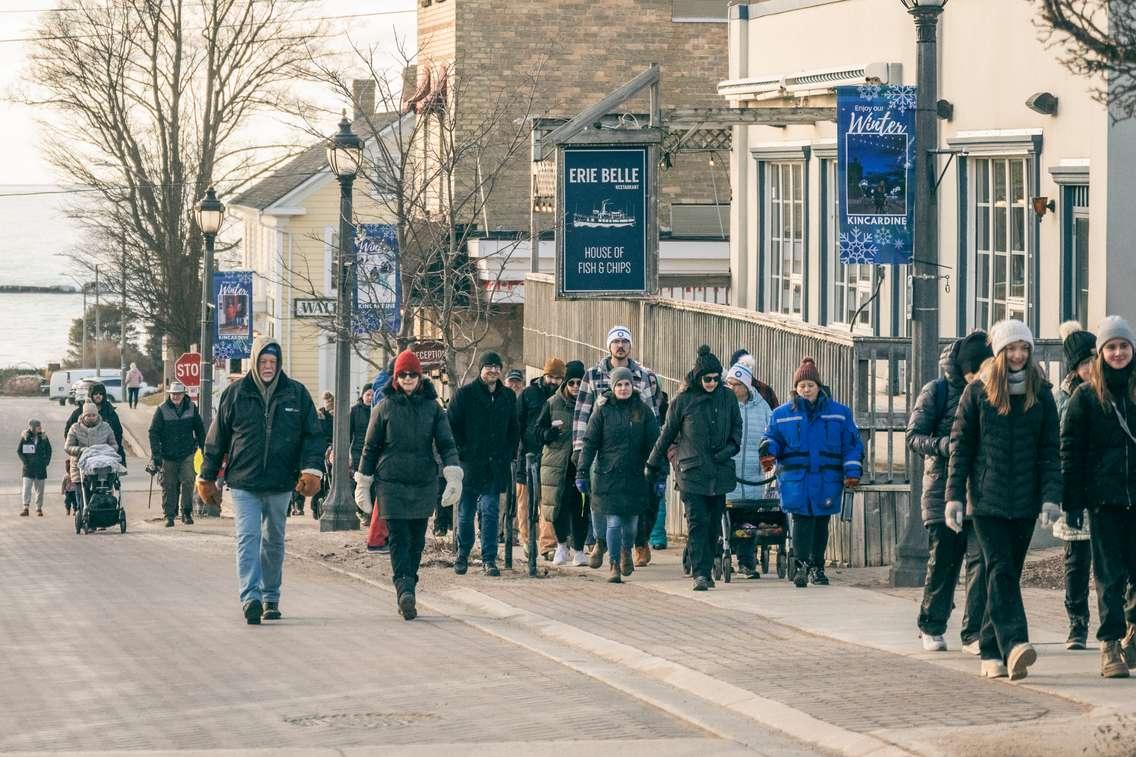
point(597, 380)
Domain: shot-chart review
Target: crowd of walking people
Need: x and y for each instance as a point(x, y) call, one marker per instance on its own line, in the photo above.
point(1001, 447)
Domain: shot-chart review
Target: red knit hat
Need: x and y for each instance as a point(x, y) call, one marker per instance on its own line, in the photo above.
point(807, 372)
point(407, 361)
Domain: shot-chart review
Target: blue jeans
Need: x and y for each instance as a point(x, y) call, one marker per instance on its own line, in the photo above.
point(488, 505)
point(260, 542)
point(620, 533)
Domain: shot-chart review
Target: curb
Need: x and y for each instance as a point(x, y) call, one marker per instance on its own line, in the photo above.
point(133, 445)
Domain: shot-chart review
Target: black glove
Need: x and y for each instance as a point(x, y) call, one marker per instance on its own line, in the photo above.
point(1075, 519)
point(722, 455)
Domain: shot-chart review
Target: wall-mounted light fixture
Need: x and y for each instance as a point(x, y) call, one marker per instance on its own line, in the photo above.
point(1043, 204)
point(1044, 103)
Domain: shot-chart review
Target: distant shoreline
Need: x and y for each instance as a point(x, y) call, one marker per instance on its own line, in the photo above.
point(30, 289)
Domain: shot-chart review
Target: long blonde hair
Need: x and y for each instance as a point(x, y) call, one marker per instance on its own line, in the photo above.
point(994, 375)
point(1100, 386)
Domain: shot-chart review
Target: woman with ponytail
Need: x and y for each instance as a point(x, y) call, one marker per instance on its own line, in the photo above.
point(1004, 466)
point(1098, 459)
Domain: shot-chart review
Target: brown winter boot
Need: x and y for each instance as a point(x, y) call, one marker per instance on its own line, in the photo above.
point(626, 563)
point(1112, 660)
point(642, 557)
point(596, 559)
point(614, 578)
point(1128, 646)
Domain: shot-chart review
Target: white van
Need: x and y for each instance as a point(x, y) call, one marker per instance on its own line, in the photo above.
point(61, 382)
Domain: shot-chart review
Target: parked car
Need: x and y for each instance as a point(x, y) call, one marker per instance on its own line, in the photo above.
point(62, 384)
point(83, 387)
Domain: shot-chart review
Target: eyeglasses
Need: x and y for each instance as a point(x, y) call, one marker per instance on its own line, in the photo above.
point(573, 382)
point(708, 379)
point(407, 374)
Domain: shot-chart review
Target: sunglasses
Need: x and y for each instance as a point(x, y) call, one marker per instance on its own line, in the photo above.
point(407, 374)
point(711, 379)
point(573, 382)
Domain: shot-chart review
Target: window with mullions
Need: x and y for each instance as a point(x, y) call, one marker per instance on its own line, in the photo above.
point(851, 284)
point(1001, 243)
point(785, 240)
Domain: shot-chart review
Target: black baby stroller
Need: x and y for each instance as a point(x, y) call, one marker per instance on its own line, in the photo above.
point(99, 493)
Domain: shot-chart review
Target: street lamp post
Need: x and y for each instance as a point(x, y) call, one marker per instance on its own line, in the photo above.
point(344, 155)
point(210, 213)
point(910, 565)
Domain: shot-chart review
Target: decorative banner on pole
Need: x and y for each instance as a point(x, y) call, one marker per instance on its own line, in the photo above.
point(875, 143)
point(232, 324)
point(378, 279)
point(604, 223)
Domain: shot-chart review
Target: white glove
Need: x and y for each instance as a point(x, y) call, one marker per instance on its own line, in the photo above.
point(363, 492)
point(453, 491)
point(954, 515)
point(1050, 513)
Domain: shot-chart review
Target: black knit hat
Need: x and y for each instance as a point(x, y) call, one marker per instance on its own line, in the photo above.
point(489, 357)
point(973, 352)
point(1078, 343)
point(706, 362)
point(573, 370)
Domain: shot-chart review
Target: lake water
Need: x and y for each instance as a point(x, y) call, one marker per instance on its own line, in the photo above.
point(33, 251)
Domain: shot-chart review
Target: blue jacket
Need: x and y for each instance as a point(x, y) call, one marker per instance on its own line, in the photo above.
point(755, 421)
point(382, 378)
point(818, 446)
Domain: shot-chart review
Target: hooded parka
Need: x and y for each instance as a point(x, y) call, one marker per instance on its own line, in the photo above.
point(403, 434)
point(269, 433)
point(620, 436)
point(34, 451)
point(929, 431)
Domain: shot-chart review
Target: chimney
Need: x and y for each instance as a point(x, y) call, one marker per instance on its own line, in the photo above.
point(363, 98)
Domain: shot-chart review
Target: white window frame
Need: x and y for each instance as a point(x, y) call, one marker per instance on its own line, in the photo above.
point(857, 280)
point(786, 270)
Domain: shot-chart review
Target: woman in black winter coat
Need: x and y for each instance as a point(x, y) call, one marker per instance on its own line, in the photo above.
point(705, 423)
point(1098, 460)
point(406, 428)
point(619, 437)
point(1004, 448)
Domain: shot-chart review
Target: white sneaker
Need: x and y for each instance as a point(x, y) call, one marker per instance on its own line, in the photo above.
point(581, 559)
point(933, 643)
point(1020, 658)
point(974, 648)
point(993, 669)
point(561, 556)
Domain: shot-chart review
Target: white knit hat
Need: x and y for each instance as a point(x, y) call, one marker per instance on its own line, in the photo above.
point(1005, 333)
point(619, 332)
point(1115, 327)
point(739, 372)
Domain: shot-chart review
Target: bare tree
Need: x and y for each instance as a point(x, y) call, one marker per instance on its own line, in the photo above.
point(432, 168)
point(1098, 41)
point(146, 99)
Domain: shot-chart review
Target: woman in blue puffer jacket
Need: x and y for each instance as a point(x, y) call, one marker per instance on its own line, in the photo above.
point(755, 412)
point(818, 446)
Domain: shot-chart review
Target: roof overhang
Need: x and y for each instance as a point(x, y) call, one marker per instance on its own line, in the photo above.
point(805, 83)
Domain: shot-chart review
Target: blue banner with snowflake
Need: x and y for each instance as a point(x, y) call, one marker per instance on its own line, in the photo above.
point(378, 280)
point(875, 143)
point(232, 297)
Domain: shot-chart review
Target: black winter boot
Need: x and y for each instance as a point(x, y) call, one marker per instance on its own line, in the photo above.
point(407, 607)
point(461, 565)
point(169, 521)
point(801, 577)
point(187, 518)
point(271, 611)
point(253, 611)
point(817, 576)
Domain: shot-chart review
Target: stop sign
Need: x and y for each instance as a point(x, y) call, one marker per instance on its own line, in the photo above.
point(187, 369)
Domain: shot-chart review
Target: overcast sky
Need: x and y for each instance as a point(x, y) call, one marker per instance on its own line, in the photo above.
point(20, 161)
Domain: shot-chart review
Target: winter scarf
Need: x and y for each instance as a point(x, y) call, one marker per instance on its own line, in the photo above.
point(1017, 380)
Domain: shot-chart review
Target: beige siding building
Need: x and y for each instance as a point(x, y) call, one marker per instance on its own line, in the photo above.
point(1002, 259)
point(291, 230)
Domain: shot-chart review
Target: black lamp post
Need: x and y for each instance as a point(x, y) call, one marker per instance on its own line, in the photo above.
point(910, 565)
point(344, 155)
point(210, 213)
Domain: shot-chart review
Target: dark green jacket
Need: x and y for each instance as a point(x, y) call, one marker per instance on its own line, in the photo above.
point(618, 439)
point(556, 469)
point(399, 450)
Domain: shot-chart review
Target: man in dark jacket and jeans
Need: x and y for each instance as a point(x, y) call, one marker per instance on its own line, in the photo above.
point(176, 434)
point(928, 434)
point(483, 418)
point(266, 424)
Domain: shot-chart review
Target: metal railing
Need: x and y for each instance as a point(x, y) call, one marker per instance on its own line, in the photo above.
point(870, 374)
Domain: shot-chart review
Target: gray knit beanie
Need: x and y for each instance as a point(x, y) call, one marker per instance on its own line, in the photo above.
point(1115, 327)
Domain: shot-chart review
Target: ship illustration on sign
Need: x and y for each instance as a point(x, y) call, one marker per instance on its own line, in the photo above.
point(602, 218)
